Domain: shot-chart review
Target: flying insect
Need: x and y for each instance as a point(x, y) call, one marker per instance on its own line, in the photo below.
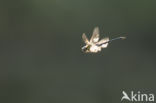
point(95, 45)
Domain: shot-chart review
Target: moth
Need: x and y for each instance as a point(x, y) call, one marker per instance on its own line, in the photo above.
point(95, 45)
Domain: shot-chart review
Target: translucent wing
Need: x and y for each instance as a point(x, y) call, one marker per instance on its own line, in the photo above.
point(85, 39)
point(95, 35)
point(103, 42)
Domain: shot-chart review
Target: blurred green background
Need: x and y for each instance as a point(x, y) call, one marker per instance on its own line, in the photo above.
point(41, 58)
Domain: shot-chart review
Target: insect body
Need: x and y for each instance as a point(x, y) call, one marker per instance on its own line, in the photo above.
point(94, 45)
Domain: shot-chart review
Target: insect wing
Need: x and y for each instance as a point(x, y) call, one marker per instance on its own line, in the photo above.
point(103, 42)
point(95, 35)
point(85, 39)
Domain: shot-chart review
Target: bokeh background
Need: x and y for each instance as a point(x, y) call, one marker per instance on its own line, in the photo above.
point(40, 50)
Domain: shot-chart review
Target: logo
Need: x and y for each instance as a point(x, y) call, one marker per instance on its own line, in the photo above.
point(137, 96)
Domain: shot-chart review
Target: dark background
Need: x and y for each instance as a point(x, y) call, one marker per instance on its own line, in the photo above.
point(40, 50)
